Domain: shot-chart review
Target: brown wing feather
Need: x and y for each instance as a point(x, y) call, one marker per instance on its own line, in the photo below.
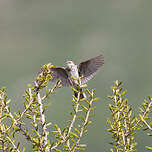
point(89, 68)
point(60, 74)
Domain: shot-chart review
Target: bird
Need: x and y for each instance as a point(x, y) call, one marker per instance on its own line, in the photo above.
point(84, 71)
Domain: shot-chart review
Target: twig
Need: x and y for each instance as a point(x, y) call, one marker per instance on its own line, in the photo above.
point(146, 124)
point(51, 91)
point(75, 115)
point(71, 125)
point(43, 122)
point(84, 125)
point(9, 139)
point(2, 106)
point(55, 146)
point(16, 121)
point(144, 114)
point(29, 105)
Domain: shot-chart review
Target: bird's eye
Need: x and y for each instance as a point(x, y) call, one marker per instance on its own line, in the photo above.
point(68, 69)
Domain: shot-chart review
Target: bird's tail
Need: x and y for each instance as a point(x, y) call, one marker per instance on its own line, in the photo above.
point(82, 94)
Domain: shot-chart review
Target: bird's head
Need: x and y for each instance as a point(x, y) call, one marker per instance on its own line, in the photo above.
point(69, 64)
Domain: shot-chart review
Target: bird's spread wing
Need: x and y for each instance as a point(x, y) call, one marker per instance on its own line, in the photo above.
point(60, 74)
point(89, 68)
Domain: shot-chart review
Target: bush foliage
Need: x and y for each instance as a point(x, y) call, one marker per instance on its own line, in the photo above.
point(66, 139)
point(122, 124)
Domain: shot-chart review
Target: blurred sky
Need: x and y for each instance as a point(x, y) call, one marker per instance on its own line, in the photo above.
point(35, 32)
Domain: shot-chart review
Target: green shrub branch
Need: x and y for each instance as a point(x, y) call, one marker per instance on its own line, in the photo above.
point(123, 125)
point(66, 139)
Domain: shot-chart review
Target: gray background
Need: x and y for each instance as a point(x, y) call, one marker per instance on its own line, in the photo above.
point(35, 32)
